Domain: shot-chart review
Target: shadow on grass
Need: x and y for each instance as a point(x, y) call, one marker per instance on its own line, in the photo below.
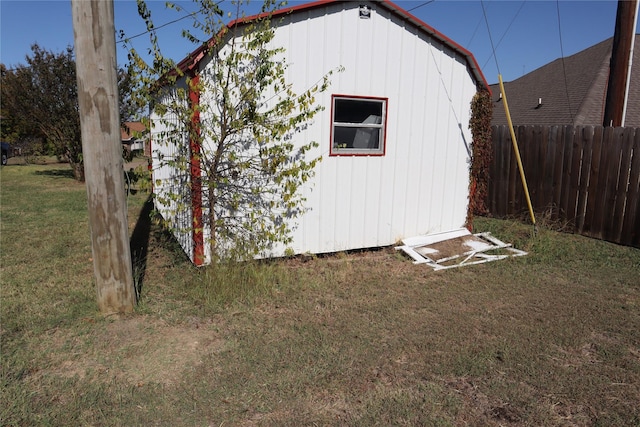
point(147, 229)
point(57, 173)
point(139, 244)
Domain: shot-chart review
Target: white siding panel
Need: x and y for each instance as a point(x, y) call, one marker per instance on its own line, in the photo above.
point(169, 142)
point(457, 151)
point(411, 162)
point(419, 133)
point(437, 139)
point(364, 53)
point(394, 180)
point(327, 180)
point(447, 177)
point(356, 192)
point(381, 47)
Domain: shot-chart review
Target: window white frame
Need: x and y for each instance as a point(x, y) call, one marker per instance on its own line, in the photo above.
point(358, 125)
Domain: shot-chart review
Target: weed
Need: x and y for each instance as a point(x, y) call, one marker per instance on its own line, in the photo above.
point(235, 282)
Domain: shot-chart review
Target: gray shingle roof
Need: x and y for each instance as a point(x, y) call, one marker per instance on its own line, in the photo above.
point(580, 101)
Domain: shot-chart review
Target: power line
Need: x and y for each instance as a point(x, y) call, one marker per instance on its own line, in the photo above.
point(564, 70)
point(420, 5)
point(506, 31)
point(475, 30)
point(169, 23)
point(493, 49)
point(11, 70)
point(161, 26)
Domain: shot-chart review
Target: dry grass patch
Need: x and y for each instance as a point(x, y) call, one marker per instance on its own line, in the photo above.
point(363, 338)
point(136, 349)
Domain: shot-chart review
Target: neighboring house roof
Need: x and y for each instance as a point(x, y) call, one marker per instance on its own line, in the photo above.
point(580, 102)
point(131, 130)
point(193, 59)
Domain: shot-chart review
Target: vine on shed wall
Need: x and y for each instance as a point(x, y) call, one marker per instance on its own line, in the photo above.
point(481, 155)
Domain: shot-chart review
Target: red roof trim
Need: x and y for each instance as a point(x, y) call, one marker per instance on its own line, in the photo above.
point(193, 59)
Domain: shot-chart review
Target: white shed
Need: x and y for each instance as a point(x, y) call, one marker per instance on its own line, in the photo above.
point(403, 171)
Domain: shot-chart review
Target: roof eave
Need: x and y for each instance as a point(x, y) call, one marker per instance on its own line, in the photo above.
point(192, 61)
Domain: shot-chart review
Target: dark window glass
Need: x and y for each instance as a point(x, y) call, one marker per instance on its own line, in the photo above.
point(356, 110)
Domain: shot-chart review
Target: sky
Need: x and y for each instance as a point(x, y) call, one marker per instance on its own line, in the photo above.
point(524, 34)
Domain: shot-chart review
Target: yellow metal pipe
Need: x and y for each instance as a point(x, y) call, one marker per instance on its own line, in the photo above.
point(517, 151)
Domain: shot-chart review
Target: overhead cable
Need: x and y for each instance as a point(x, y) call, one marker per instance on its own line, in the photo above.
point(564, 70)
point(493, 49)
point(167, 24)
point(505, 32)
point(420, 5)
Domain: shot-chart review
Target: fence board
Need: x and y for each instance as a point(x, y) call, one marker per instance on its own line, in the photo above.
point(556, 142)
point(622, 186)
point(631, 223)
point(594, 175)
point(610, 183)
point(548, 156)
point(602, 186)
point(513, 180)
point(504, 174)
point(495, 168)
point(588, 176)
point(541, 164)
point(567, 164)
point(574, 178)
point(583, 201)
point(531, 164)
point(536, 165)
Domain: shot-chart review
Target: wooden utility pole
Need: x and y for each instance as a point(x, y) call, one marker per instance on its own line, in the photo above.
point(621, 55)
point(95, 45)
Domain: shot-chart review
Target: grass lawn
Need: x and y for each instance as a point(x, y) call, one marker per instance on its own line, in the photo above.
point(359, 339)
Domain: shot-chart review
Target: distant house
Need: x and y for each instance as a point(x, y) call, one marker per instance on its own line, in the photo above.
point(541, 97)
point(394, 132)
point(134, 137)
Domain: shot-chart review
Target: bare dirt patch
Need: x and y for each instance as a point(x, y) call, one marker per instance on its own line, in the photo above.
point(136, 349)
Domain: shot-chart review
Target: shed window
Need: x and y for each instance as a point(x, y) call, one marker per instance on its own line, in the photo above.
point(358, 126)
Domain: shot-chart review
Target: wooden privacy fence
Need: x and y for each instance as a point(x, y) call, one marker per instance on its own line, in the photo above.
point(587, 177)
